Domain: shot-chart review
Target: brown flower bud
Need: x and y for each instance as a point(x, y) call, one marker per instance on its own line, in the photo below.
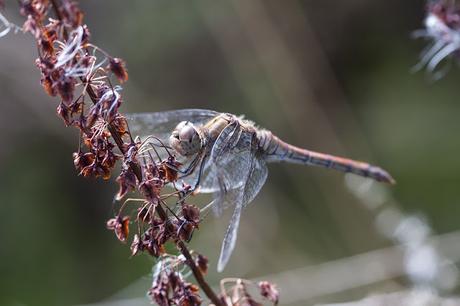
point(269, 291)
point(202, 263)
point(127, 181)
point(117, 66)
point(120, 226)
point(191, 213)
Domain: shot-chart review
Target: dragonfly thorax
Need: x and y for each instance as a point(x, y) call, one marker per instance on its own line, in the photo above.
point(185, 139)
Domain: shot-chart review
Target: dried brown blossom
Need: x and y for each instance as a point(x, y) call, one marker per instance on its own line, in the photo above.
point(118, 68)
point(191, 213)
point(65, 88)
point(159, 293)
point(70, 71)
point(34, 8)
point(127, 181)
point(202, 263)
point(238, 294)
point(121, 127)
point(169, 286)
point(269, 291)
point(120, 225)
point(187, 295)
point(71, 13)
point(169, 172)
point(152, 185)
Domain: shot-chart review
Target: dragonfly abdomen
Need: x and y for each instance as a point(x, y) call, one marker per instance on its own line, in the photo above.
point(276, 150)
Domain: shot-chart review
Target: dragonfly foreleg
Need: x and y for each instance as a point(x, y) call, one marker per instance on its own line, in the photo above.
point(189, 191)
point(191, 167)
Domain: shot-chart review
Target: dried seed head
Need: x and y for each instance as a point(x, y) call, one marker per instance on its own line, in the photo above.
point(191, 213)
point(159, 293)
point(269, 291)
point(118, 68)
point(66, 88)
point(120, 125)
point(120, 226)
point(202, 263)
point(71, 14)
point(127, 181)
point(168, 168)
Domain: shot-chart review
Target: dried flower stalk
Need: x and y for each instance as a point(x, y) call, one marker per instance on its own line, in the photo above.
point(71, 69)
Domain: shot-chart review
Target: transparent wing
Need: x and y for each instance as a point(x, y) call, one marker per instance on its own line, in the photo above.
point(230, 163)
point(255, 181)
point(241, 197)
point(228, 244)
point(161, 124)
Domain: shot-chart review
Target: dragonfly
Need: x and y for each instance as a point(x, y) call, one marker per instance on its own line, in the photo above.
point(227, 155)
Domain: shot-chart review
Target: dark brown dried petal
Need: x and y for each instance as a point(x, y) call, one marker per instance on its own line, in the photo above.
point(117, 66)
point(269, 291)
point(127, 181)
point(83, 161)
point(65, 89)
point(50, 30)
point(28, 9)
point(120, 226)
point(191, 213)
point(120, 125)
point(155, 249)
point(151, 189)
point(190, 296)
point(47, 84)
point(159, 294)
point(202, 263)
point(63, 112)
point(71, 13)
point(47, 46)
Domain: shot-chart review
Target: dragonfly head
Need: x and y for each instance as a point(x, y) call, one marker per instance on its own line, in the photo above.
point(185, 139)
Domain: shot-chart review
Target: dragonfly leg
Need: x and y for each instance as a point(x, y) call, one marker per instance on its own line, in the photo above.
point(185, 194)
point(191, 167)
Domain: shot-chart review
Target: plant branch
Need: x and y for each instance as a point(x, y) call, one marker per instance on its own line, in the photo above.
point(160, 210)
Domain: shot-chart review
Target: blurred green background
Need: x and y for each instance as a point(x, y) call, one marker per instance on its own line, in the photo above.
point(331, 76)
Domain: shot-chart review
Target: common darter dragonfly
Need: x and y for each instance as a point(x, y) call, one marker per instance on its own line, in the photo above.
point(226, 155)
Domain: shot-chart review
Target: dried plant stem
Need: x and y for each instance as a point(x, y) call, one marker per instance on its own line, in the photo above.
point(160, 210)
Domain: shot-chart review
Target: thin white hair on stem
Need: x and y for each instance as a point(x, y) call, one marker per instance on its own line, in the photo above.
point(80, 69)
point(70, 49)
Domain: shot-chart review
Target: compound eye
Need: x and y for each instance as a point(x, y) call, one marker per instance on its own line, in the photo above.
point(187, 133)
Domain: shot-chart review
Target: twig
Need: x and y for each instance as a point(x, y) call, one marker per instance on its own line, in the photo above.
point(160, 210)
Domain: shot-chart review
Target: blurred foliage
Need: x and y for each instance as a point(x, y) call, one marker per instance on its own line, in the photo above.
point(356, 97)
